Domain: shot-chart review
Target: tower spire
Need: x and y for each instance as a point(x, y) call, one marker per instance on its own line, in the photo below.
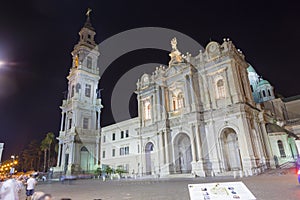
point(88, 23)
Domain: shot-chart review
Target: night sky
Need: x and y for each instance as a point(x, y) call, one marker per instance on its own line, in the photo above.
point(37, 37)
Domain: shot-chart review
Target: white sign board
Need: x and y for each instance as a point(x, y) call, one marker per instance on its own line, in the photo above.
point(220, 191)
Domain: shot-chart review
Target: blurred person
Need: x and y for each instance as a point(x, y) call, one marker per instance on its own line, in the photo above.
point(41, 196)
point(30, 185)
point(8, 190)
point(20, 185)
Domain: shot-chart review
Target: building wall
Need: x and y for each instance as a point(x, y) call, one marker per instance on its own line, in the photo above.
point(125, 135)
point(293, 109)
point(286, 154)
point(1, 150)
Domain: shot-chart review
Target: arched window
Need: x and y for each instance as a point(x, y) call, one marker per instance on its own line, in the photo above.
point(149, 147)
point(264, 93)
point(174, 99)
point(281, 149)
point(147, 110)
point(220, 89)
point(83, 148)
point(269, 92)
point(180, 100)
point(89, 62)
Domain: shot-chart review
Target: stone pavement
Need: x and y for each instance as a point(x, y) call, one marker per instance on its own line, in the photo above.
point(273, 184)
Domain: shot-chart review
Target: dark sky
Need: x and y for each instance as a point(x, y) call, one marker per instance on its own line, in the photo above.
point(37, 37)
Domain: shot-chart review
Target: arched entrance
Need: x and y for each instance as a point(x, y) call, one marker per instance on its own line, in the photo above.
point(230, 149)
point(182, 153)
point(84, 159)
point(148, 150)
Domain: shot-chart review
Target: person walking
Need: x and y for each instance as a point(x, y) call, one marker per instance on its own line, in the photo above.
point(30, 185)
point(9, 190)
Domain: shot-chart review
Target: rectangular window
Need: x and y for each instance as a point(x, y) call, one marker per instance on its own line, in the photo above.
point(70, 123)
point(113, 136)
point(124, 151)
point(103, 154)
point(121, 151)
point(89, 62)
point(122, 134)
point(88, 90)
point(113, 152)
point(85, 123)
point(127, 134)
point(104, 139)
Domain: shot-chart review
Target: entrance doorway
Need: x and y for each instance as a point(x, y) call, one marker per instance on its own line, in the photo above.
point(182, 154)
point(230, 149)
point(148, 150)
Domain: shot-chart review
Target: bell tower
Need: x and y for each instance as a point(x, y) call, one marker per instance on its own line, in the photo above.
point(79, 137)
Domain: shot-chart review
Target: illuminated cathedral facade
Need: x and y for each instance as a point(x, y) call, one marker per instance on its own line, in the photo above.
point(203, 115)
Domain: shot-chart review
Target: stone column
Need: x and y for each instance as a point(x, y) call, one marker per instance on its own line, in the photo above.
point(206, 93)
point(63, 162)
point(192, 92)
point(187, 94)
point(98, 122)
point(59, 155)
point(97, 149)
point(71, 156)
point(62, 121)
point(193, 147)
point(267, 145)
point(166, 148)
point(161, 147)
point(158, 103)
point(152, 109)
point(164, 105)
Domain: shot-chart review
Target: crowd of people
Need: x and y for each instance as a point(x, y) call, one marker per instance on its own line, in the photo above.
point(12, 187)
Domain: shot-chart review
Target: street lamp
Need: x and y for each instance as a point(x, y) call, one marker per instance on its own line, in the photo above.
point(12, 169)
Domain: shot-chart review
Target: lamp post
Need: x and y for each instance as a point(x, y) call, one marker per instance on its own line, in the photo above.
point(12, 169)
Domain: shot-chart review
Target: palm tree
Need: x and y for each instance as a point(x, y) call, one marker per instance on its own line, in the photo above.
point(46, 145)
point(44, 148)
point(29, 157)
point(50, 139)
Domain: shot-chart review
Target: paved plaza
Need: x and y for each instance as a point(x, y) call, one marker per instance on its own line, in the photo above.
point(272, 185)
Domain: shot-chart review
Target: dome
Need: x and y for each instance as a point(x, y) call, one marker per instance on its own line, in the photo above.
point(250, 69)
point(263, 82)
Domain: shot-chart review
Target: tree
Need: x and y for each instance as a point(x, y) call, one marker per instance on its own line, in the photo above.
point(50, 139)
point(46, 145)
point(44, 148)
point(29, 157)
